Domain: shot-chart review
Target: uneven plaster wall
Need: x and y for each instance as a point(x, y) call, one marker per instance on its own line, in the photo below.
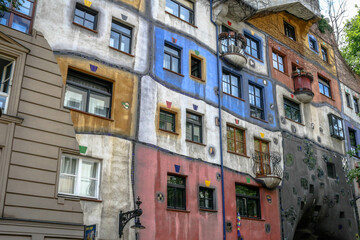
point(245, 163)
point(78, 40)
point(305, 164)
point(125, 87)
point(115, 184)
point(349, 111)
point(203, 30)
point(155, 96)
point(314, 121)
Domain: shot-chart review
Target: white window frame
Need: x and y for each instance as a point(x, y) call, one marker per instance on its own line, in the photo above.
point(3, 94)
point(78, 174)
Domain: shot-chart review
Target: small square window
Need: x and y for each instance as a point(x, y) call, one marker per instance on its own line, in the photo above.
point(193, 127)
point(206, 198)
point(348, 103)
point(79, 177)
point(85, 16)
point(236, 140)
point(252, 46)
point(196, 67)
point(248, 201)
point(176, 192)
point(324, 86)
point(88, 94)
point(331, 170)
point(356, 105)
point(167, 121)
point(292, 110)
point(6, 75)
point(256, 101)
point(120, 37)
point(172, 58)
point(182, 9)
point(324, 54)
point(336, 126)
point(313, 44)
point(278, 61)
point(231, 84)
point(289, 31)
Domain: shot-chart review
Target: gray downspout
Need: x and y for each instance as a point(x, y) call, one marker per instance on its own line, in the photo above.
point(220, 122)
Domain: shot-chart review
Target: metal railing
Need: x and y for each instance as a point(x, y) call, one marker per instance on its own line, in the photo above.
point(267, 164)
point(232, 42)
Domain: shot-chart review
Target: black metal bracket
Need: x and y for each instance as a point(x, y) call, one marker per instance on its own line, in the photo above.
point(125, 217)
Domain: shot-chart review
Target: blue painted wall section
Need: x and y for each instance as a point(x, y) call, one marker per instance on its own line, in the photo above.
point(348, 125)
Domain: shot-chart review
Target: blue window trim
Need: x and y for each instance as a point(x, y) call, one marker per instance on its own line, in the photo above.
point(260, 41)
point(177, 47)
point(311, 37)
point(250, 82)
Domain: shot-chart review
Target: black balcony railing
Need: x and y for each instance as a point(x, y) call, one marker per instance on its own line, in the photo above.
point(267, 164)
point(232, 42)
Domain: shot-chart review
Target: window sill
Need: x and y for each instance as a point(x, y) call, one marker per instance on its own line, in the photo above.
point(181, 19)
point(197, 79)
point(91, 30)
point(175, 133)
point(174, 72)
point(118, 50)
point(90, 199)
point(281, 72)
point(10, 119)
point(75, 197)
point(239, 154)
point(259, 119)
point(207, 210)
point(234, 96)
point(258, 59)
point(294, 121)
point(177, 210)
point(201, 144)
point(90, 114)
point(254, 219)
point(327, 97)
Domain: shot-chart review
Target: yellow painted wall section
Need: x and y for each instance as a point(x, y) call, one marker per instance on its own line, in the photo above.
point(138, 4)
point(273, 24)
point(125, 87)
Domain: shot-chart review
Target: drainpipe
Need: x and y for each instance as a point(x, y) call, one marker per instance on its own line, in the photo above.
point(220, 122)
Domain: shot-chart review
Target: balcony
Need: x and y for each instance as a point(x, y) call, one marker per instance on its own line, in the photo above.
point(232, 48)
point(267, 168)
point(302, 86)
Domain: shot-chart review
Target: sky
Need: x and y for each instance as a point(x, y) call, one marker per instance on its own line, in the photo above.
point(350, 8)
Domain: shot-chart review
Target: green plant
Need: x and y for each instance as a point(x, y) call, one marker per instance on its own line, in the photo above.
point(324, 26)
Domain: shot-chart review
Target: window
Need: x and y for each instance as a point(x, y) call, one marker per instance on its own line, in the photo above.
point(312, 44)
point(231, 84)
point(206, 198)
point(336, 127)
point(352, 138)
point(6, 75)
point(348, 103)
point(225, 43)
point(356, 105)
point(252, 46)
point(289, 31)
point(331, 170)
point(324, 54)
point(256, 102)
point(88, 94)
point(120, 37)
point(19, 19)
point(85, 16)
point(176, 192)
point(193, 127)
point(248, 201)
point(172, 58)
point(167, 121)
point(79, 177)
point(236, 140)
point(262, 156)
point(324, 87)
point(278, 61)
point(182, 9)
point(292, 110)
point(196, 67)
point(296, 68)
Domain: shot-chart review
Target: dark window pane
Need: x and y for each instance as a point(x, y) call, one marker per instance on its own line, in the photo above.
point(21, 24)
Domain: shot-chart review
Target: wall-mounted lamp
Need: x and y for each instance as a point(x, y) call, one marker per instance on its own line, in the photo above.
point(125, 217)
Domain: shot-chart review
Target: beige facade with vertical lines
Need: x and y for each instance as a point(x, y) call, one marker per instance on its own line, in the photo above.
point(34, 132)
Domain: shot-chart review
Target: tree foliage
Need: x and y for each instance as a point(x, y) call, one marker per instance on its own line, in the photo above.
point(353, 174)
point(324, 26)
point(6, 4)
point(351, 50)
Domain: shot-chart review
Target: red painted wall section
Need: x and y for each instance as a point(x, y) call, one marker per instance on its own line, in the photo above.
point(151, 169)
point(291, 57)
